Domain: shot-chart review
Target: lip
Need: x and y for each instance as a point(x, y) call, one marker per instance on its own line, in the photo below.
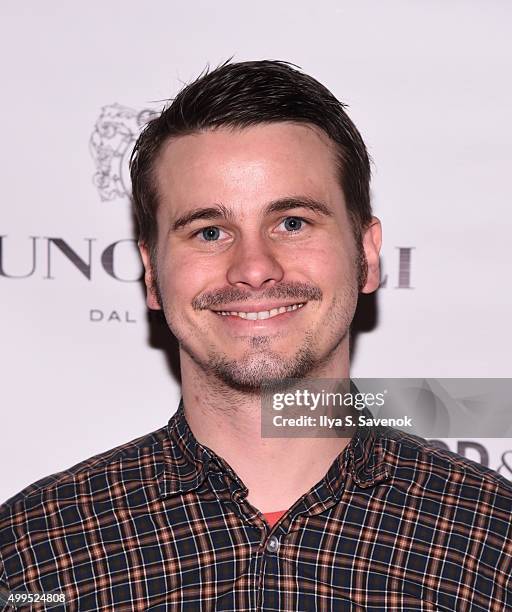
point(254, 307)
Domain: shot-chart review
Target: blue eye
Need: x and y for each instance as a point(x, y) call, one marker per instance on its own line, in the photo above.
point(210, 233)
point(292, 224)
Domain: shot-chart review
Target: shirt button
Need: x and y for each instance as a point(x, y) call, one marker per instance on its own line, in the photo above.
point(272, 544)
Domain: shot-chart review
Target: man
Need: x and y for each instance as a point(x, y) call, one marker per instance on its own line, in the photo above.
point(251, 192)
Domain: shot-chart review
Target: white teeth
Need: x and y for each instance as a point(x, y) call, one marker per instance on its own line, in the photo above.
point(263, 314)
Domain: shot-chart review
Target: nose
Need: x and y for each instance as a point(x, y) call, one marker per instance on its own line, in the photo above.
point(254, 264)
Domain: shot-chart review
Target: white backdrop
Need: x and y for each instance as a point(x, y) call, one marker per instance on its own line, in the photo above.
point(427, 84)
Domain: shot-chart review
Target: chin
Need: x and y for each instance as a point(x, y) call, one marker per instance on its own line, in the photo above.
point(251, 372)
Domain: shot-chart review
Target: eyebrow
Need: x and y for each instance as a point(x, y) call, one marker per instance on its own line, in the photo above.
point(219, 211)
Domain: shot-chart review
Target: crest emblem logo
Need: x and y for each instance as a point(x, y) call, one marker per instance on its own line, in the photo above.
point(111, 144)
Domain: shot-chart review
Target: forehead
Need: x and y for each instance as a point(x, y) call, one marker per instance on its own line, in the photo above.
point(249, 165)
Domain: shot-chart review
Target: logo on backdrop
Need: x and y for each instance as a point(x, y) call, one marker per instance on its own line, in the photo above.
point(111, 144)
point(505, 468)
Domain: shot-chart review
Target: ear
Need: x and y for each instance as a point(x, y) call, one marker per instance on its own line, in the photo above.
point(149, 278)
point(372, 241)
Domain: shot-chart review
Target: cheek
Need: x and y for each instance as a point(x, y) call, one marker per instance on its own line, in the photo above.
point(332, 263)
point(187, 275)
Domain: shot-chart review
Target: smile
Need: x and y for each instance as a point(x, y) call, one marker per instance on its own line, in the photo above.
point(262, 314)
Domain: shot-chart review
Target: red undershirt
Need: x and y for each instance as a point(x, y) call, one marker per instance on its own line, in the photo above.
point(273, 517)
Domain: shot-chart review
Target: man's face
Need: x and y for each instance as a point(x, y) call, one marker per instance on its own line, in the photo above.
point(257, 265)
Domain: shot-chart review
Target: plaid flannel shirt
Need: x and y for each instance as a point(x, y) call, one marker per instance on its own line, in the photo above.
point(163, 523)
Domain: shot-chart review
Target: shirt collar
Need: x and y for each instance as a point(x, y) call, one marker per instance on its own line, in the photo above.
point(187, 462)
point(366, 454)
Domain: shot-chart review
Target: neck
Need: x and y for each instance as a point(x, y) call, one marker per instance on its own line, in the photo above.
point(277, 471)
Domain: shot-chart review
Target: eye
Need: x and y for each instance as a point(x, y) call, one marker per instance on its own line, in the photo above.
point(210, 234)
point(293, 224)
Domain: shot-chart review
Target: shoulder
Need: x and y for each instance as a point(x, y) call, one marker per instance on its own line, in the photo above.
point(60, 520)
point(127, 462)
point(415, 459)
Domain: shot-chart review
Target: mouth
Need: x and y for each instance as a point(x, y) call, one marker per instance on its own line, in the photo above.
point(257, 315)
